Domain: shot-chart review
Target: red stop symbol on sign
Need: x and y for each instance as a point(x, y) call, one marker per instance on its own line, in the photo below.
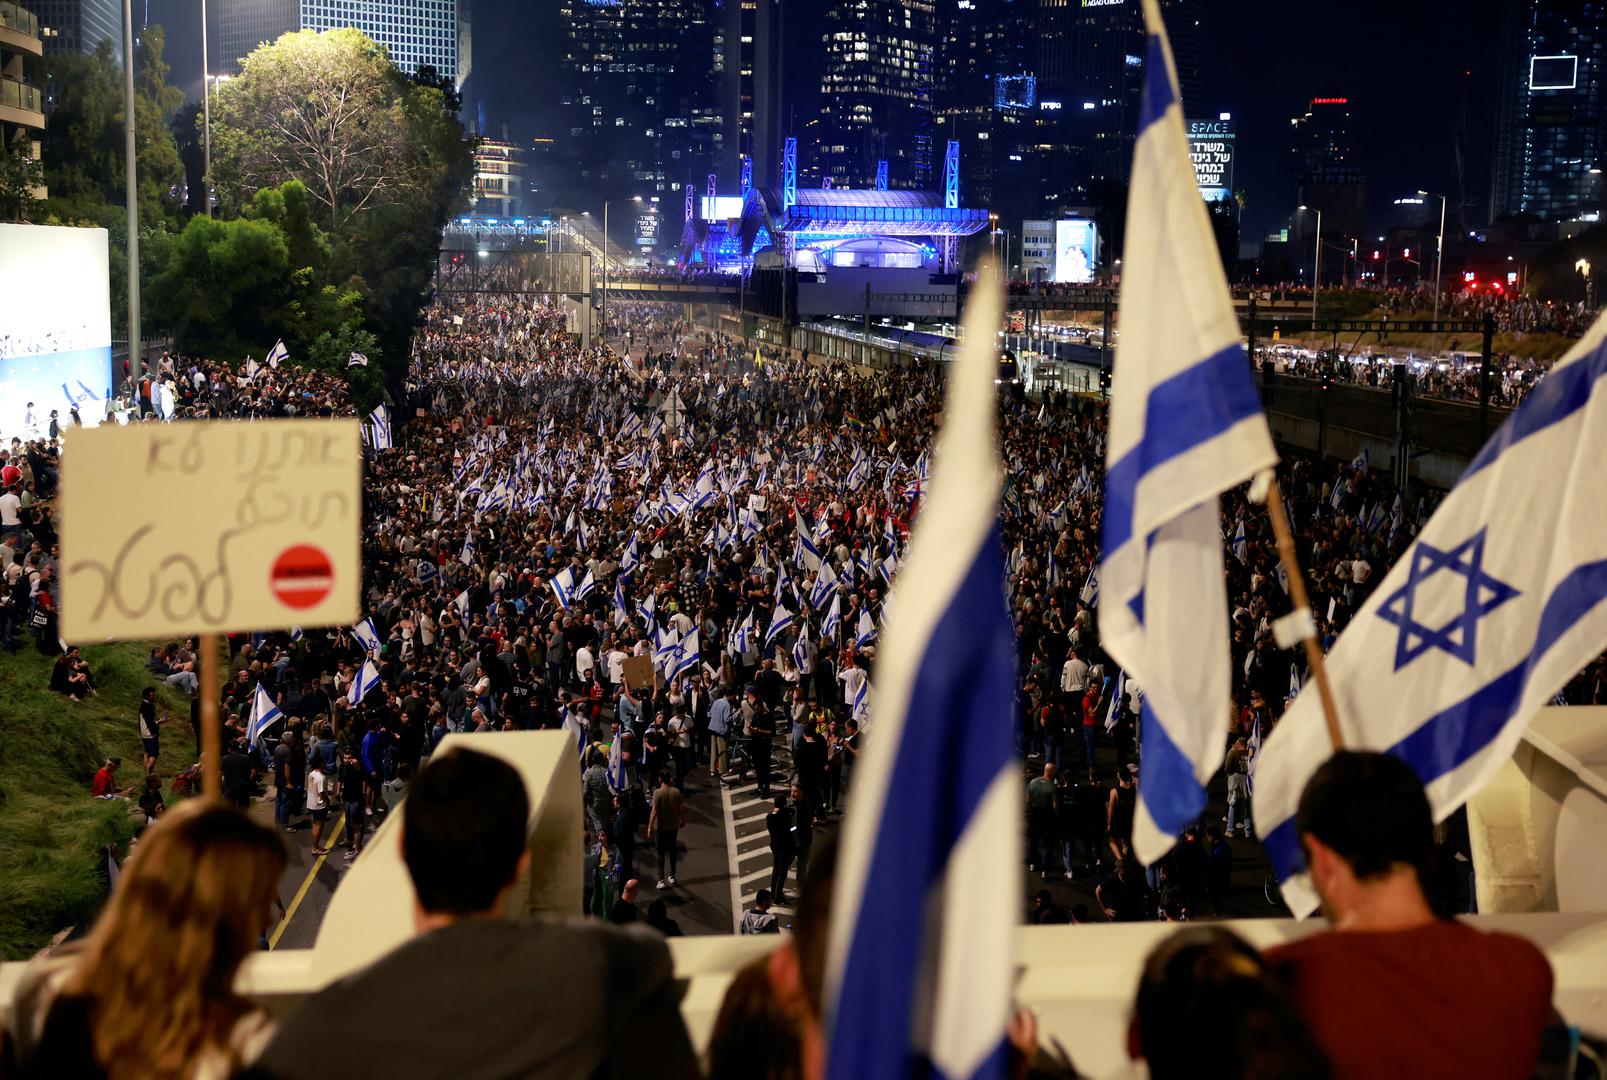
point(302, 576)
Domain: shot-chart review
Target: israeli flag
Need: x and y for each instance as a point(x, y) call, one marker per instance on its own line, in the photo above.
point(834, 618)
point(666, 649)
point(864, 630)
point(1480, 622)
point(366, 635)
point(808, 555)
point(466, 556)
point(1359, 462)
point(824, 588)
point(379, 425)
point(1113, 713)
point(1052, 570)
point(627, 558)
point(617, 780)
point(264, 715)
point(356, 359)
point(920, 960)
point(687, 655)
point(779, 621)
point(367, 678)
point(742, 636)
point(576, 731)
point(563, 587)
point(278, 353)
point(1240, 547)
point(462, 603)
point(587, 584)
point(1185, 425)
point(1090, 589)
point(800, 648)
point(622, 614)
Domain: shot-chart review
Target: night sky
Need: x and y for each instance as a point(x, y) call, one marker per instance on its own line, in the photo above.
point(1416, 71)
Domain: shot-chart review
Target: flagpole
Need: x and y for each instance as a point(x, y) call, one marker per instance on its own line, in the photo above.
point(1297, 593)
point(211, 735)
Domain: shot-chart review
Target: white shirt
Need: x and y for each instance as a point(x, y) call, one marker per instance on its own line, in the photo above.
point(616, 666)
point(1074, 676)
point(10, 509)
point(852, 679)
point(584, 661)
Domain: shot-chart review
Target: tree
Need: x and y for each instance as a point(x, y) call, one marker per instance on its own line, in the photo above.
point(19, 175)
point(328, 109)
point(222, 285)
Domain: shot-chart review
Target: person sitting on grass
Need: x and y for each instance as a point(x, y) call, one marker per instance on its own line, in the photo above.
point(104, 786)
point(70, 675)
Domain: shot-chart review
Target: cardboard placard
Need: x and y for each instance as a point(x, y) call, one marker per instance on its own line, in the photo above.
point(638, 672)
point(210, 527)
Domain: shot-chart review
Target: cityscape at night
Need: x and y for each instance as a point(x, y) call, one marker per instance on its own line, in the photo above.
point(802, 539)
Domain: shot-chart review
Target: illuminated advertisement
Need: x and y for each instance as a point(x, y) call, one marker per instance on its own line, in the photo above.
point(1076, 250)
point(55, 326)
point(1211, 146)
point(647, 228)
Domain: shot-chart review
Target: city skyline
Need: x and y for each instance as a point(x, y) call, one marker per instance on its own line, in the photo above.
point(1260, 61)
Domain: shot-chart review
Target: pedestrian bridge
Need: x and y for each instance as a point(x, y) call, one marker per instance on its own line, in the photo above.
point(1536, 845)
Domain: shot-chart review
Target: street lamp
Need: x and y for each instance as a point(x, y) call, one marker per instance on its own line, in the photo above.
point(1439, 257)
point(1316, 267)
point(1583, 266)
point(206, 119)
point(604, 306)
point(993, 234)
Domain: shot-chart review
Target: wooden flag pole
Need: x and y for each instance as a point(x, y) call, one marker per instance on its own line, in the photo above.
point(211, 734)
point(1297, 593)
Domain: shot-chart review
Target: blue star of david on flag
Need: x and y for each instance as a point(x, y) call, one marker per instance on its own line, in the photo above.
point(1459, 635)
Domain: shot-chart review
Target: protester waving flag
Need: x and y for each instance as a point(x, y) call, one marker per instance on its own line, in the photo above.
point(278, 353)
point(779, 621)
point(1480, 622)
point(379, 429)
point(367, 678)
point(864, 630)
point(264, 715)
point(920, 959)
point(617, 780)
point(563, 587)
point(366, 635)
point(1185, 425)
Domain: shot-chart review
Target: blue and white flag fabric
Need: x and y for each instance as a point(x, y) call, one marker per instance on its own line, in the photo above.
point(1185, 425)
point(1479, 623)
point(367, 678)
point(628, 558)
point(864, 630)
point(1090, 589)
point(808, 555)
point(366, 635)
point(466, 556)
point(834, 618)
point(587, 584)
point(278, 353)
point(921, 955)
point(264, 715)
point(461, 600)
point(379, 429)
point(779, 621)
point(1359, 462)
point(687, 655)
point(1113, 714)
point(617, 780)
point(563, 587)
point(577, 732)
point(356, 359)
point(1240, 547)
point(622, 614)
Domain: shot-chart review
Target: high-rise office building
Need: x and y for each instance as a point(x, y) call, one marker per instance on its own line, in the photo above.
point(988, 100)
point(876, 93)
point(79, 26)
point(1327, 171)
point(1091, 64)
point(416, 33)
point(22, 121)
point(643, 96)
point(747, 65)
point(1551, 118)
point(498, 189)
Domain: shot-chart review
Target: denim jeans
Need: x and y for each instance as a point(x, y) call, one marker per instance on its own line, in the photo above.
point(1239, 814)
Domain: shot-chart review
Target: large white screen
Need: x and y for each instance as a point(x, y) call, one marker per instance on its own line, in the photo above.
point(55, 326)
point(1076, 250)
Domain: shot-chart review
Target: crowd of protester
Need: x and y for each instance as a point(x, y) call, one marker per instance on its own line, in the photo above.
point(1456, 377)
point(553, 519)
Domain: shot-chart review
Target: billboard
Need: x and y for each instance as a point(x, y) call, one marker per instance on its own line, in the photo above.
point(55, 326)
point(1211, 146)
point(1076, 250)
point(647, 228)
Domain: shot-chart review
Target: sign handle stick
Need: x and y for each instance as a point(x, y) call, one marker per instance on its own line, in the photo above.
point(211, 733)
point(1297, 594)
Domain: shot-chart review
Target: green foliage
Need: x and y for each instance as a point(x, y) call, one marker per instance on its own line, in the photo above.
point(290, 208)
point(222, 284)
point(332, 352)
point(52, 834)
point(83, 143)
point(19, 173)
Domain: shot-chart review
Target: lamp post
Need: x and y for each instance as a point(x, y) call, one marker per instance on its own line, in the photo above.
point(1583, 266)
point(206, 118)
point(604, 250)
point(1439, 258)
point(993, 234)
point(1316, 268)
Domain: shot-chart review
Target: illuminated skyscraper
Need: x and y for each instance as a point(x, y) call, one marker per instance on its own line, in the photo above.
point(79, 26)
point(876, 92)
point(1551, 119)
point(748, 67)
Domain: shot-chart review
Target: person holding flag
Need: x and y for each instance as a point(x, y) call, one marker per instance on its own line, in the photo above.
point(1185, 426)
point(927, 893)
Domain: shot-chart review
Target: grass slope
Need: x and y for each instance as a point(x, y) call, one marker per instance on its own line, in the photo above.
point(52, 834)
